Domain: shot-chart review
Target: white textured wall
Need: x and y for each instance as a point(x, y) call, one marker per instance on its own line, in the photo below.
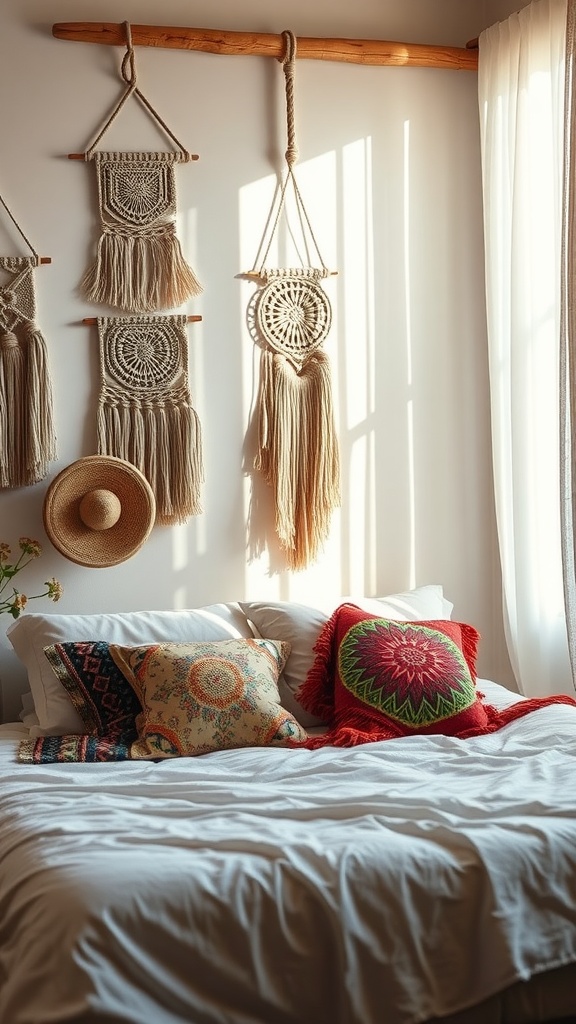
point(389, 168)
point(498, 10)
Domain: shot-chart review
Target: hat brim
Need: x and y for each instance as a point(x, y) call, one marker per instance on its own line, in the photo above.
point(99, 548)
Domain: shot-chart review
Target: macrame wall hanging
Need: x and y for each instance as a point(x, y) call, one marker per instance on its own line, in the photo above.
point(145, 412)
point(139, 266)
point(298, 450)
point(27, 435)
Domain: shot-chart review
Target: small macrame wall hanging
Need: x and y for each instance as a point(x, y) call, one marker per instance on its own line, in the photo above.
point(27, 434)
point(298, 451)
point(145, 412)
point(139, 265)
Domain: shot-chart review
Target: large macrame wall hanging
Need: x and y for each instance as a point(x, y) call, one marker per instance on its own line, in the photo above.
point(298, 448)
point(145, 412)
point(27, 435)
point(139, 266)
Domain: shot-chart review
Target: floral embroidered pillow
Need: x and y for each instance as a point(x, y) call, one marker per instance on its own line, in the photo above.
point(376, 678)
point(206, 696)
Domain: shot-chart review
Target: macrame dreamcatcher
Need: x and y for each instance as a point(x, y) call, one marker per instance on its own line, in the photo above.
point(145, 412)
point(298, 448)
point(27, 435)
point(139, 266)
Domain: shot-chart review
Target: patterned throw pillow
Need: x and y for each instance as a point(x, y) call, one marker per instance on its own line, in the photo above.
point(207, 696)
point(376, 678)
point(97, 688)
point(104, 700)
point(65, 749)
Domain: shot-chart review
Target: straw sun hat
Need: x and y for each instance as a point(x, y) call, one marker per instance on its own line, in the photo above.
point(99, 511)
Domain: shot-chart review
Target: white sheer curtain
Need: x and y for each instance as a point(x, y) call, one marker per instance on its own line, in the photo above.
point(521, 98)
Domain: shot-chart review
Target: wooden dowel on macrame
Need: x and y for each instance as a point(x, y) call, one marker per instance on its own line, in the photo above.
point(91, 321)
point(257, 275)
point(262, 44)
point(39, 259)
point(82, 156)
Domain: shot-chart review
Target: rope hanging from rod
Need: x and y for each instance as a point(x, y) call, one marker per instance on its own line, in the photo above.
point(298, 454)
point(139, 266)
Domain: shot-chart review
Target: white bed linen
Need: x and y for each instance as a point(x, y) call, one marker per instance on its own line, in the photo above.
point(394, 881)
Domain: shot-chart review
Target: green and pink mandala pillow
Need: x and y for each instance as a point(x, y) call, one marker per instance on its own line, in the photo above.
point(375, 679)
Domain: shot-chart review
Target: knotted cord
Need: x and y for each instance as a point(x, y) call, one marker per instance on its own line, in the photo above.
point(129, 75)
point(139, 265)
point(291, 155)
point(17, 226)
point(145, 411)
point(298, 452)
point(27, 434)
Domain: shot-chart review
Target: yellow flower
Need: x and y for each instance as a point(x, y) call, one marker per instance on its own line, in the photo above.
point(55, 589)
point(16, 602)
point(30, 547)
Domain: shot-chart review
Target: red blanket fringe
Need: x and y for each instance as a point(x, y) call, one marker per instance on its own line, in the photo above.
point(346, 735)
point(316, 694)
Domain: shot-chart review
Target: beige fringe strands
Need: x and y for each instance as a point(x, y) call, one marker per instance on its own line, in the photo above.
point(298, 451)
point(27, 434)
point(139, 265)
point(145, 413)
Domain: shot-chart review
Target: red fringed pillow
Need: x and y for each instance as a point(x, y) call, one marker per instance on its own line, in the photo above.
point(375, 679)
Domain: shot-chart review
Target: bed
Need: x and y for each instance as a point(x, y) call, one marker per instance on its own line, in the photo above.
point(402, 880)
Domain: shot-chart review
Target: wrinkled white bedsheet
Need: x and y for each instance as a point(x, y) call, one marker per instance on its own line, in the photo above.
point(393, 882)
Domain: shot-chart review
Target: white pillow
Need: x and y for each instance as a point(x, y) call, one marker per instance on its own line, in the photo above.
point(32, 632)
point(300, 625)
point(28, 716)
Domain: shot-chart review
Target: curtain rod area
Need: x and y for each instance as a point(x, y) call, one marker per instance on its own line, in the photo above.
point(261, 44)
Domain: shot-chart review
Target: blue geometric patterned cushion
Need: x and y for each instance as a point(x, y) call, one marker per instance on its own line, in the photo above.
point(65, 749)
point(99, 691)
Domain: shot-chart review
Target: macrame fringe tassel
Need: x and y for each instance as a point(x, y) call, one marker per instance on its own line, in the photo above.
point(186, 454)
point(265, 398)
point(140, 273)
point(299, 452)
point(3, 427)
point(13, 468)
point(41, 439)
point(165, 443)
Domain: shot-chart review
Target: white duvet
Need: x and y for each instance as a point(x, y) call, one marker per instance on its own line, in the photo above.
point(394, 881)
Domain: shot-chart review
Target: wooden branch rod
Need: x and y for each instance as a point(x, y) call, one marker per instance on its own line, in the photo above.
point(262, 44)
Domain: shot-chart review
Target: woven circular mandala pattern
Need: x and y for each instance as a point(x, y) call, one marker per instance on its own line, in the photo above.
point(414, 674)
point(294, 316)
point(138, 195)
point(143, 356)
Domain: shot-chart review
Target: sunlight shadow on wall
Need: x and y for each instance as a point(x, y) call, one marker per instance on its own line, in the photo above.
point(357, 404)
point(407, 313)
point(180, 563)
